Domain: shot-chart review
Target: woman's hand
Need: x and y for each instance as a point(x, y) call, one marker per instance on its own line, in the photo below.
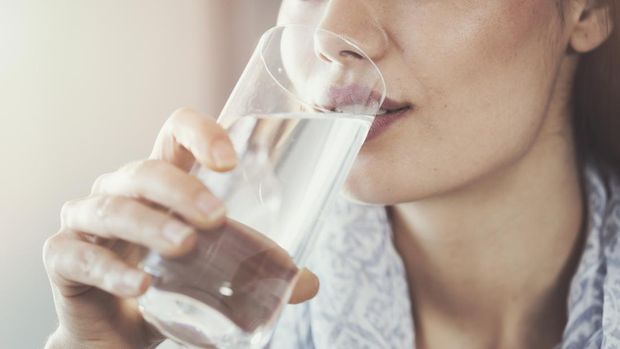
point(91, 261)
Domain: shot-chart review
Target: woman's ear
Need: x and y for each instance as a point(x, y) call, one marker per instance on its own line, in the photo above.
point(593, 24)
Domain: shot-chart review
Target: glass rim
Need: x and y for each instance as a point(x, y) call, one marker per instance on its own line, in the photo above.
point(269, 33)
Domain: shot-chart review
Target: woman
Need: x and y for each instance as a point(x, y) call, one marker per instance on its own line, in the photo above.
point(499, 203)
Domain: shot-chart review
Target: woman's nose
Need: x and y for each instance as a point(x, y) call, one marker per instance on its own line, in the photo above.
point(354, 20)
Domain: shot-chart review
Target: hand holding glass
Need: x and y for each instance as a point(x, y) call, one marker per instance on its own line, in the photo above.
point(297, 118)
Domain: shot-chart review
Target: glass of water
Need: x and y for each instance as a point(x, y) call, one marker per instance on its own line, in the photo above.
point(297, 118)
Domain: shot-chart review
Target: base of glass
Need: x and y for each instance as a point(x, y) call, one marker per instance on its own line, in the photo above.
point(194, 324)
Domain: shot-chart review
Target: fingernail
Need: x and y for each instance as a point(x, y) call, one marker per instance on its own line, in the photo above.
point(222, 154)
point(175, 232)
point(210, 206)
point(132, 280)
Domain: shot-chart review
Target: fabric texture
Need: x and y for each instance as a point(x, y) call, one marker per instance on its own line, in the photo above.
point(364, 301)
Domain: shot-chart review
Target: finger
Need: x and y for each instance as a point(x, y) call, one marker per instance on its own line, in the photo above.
point(72, 263)
point(189, 136)
point(167, 186)
point(127, 219)
point(307, 287)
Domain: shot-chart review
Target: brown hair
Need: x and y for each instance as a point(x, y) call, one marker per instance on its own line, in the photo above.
point(596, 98)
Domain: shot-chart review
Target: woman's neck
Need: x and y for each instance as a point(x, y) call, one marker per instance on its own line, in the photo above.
point(489, 266)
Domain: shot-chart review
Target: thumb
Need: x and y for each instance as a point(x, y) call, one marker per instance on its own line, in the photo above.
point(307, 287)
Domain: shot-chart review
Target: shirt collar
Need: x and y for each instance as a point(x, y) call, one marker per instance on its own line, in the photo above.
point(364, 302)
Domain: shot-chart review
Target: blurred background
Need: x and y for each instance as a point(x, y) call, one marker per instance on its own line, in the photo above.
point(85, 86)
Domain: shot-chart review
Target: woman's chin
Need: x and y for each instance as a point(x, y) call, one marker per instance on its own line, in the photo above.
point(351, 196)
point(367, 185)
point(370, 179)
point(363, 193)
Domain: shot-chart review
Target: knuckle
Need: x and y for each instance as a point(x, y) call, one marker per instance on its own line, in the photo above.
point(50, 247)
point(180, 116)
point(133, 168)
point(196, 124)
point(66, 212)
point(182, 112)
point(140, 169)
point(55, 253)
point(98, 184)
point(107, 205)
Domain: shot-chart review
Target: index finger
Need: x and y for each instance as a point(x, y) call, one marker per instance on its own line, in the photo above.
point(189, 136)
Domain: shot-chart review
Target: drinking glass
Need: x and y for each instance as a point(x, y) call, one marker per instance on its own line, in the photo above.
point(297, 118)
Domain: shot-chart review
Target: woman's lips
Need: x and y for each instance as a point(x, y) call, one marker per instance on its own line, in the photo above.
point(342, 98)
point(382, 122)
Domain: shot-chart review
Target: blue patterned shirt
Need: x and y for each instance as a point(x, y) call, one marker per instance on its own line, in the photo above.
point(364, 301)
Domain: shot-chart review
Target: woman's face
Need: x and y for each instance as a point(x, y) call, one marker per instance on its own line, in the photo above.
point(479, 75)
